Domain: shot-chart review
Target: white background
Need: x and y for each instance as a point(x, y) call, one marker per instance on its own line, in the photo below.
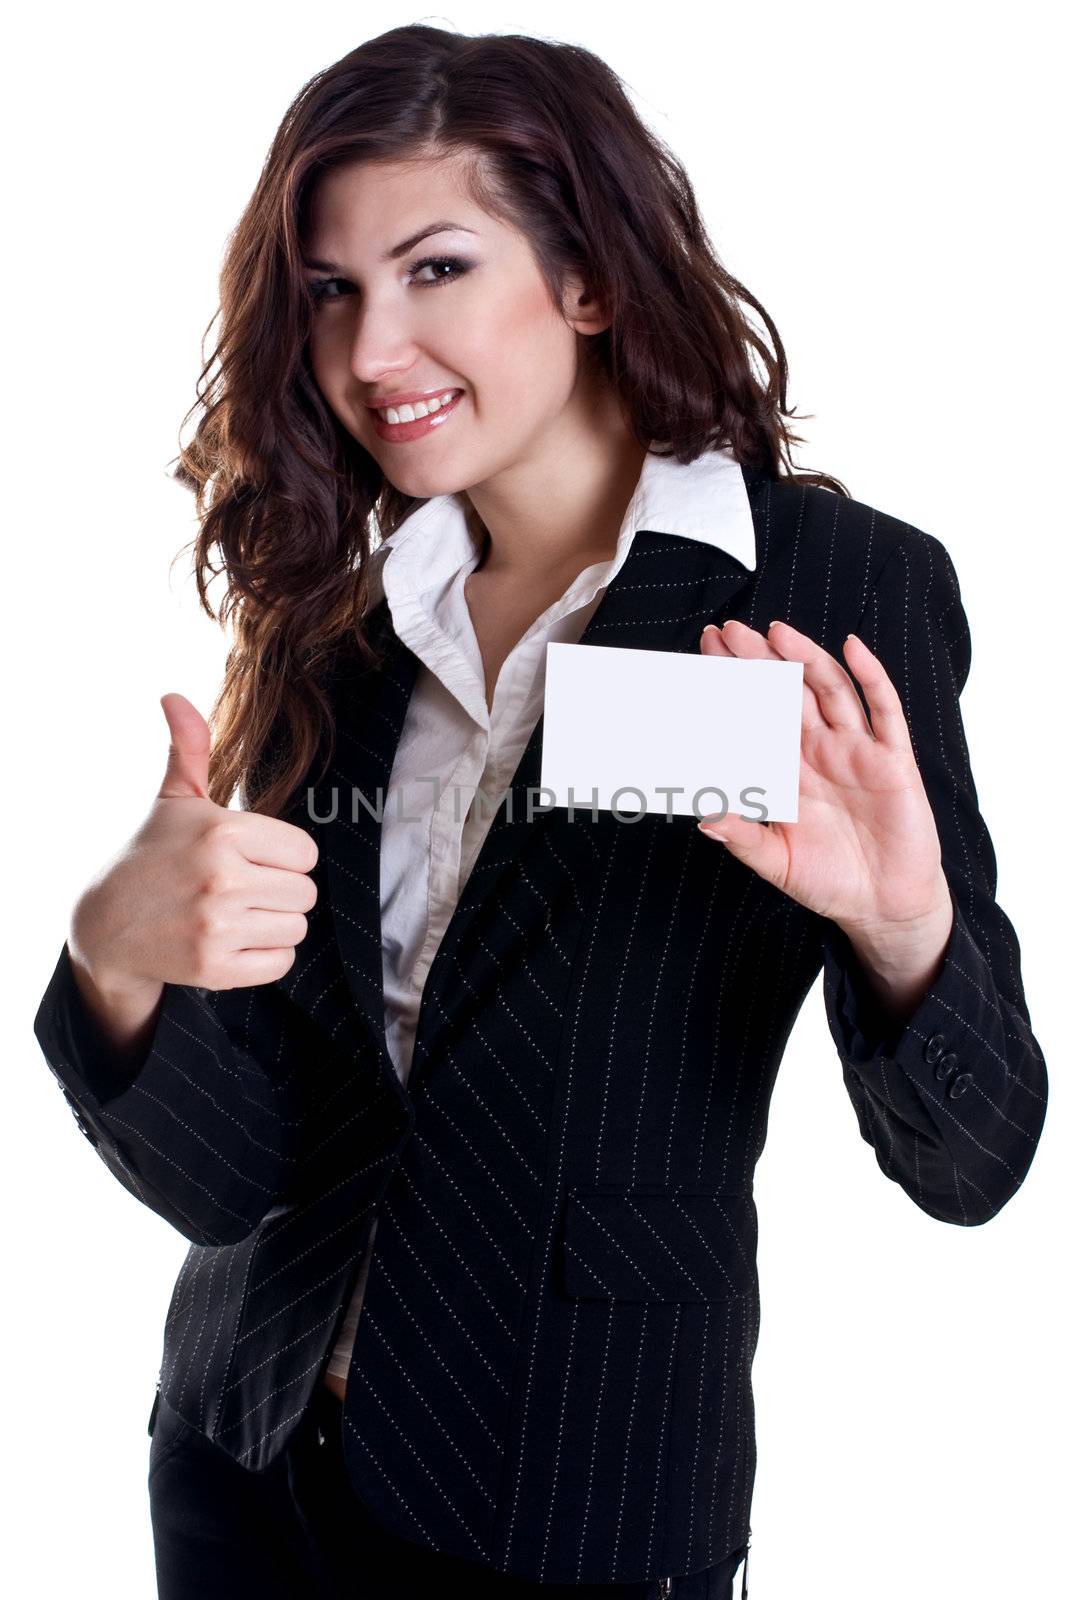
point(886, 181)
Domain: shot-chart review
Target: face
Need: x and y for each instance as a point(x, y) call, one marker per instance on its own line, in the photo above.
point(464, 308)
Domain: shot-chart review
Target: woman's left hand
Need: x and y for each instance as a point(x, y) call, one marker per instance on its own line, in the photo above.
point(864, 850)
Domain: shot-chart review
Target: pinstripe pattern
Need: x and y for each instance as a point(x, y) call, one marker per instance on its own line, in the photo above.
point(552, 1371)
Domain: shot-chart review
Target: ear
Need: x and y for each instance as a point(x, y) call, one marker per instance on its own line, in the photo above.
point(583, 311)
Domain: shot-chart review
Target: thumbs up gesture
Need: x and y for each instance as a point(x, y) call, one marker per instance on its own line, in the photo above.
point(200, 895)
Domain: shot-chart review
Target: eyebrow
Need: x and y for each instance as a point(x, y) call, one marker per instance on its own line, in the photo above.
point(400, 249)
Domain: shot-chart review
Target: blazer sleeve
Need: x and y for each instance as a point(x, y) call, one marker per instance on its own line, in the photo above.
point(952, 1101)
point(201, 1130)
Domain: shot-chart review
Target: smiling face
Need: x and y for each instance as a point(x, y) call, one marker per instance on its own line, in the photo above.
point(464, 308)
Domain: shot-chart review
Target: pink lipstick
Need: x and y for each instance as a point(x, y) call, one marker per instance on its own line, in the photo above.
point(403, 432)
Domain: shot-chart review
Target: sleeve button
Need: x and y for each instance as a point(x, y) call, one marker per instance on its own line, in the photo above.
point(945, 1064)
point(934, 1047)
point(959, 1085)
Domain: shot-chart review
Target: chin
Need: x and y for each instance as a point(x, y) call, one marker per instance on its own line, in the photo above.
point(422, 485)
point(424, 479)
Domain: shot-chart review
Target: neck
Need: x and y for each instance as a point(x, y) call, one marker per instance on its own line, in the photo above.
point(562, 506)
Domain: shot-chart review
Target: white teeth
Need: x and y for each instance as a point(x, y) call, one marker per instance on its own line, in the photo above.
point(419, 409)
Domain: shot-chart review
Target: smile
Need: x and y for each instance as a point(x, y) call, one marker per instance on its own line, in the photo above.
point(399, 424)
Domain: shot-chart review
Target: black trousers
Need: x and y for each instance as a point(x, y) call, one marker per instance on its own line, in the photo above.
point(297, 1530)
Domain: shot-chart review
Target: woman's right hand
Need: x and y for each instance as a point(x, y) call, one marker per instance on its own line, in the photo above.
point(200, 895)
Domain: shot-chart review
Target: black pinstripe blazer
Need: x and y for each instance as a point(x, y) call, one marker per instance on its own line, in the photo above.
point(552, 1371)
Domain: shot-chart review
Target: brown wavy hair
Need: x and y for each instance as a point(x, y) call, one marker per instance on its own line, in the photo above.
point(551, 144)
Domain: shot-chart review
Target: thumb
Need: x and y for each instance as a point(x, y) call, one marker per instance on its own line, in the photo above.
point(190, 747)
point(756, 845)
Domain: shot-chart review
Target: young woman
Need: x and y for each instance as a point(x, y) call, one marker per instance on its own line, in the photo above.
point(456, 1095)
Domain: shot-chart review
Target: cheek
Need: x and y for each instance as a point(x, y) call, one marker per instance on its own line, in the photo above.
point(520, 345)
point(327, 360)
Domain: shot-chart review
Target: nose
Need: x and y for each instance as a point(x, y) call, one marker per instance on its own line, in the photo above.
point(381, 343)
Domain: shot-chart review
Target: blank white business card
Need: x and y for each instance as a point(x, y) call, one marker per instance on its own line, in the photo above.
point(669, 732)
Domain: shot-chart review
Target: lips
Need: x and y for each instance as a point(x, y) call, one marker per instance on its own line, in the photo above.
point(406, 432)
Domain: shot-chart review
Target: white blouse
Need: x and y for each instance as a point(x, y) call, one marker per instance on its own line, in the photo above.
point(451, 745)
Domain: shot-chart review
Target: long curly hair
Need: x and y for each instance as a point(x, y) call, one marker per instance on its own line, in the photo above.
point(289, 499)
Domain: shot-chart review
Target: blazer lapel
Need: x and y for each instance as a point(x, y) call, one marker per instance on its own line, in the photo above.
point(344, 811)
point(691, 586)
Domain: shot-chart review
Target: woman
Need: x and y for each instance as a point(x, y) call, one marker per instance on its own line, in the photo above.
point(465, 1161)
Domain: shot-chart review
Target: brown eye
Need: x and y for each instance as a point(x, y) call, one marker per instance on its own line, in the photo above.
point(454, 267)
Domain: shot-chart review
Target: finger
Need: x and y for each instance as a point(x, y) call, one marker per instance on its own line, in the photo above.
point(248, 968)
point(748, 642)
point(270, 930)
point(189, 753)
point(738, 640)
point(759, 846)
point(275, 889)
point(271, 842)
point(888, 722)
point(839, 703)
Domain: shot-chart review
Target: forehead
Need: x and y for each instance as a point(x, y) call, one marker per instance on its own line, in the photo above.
point(378, 202)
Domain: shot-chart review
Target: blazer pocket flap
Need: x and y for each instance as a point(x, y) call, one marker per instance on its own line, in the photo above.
point(658, 1242)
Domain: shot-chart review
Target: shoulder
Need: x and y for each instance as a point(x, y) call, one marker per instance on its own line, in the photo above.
point(845, 546)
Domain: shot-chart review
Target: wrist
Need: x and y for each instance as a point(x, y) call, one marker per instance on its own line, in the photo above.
point(121, 1013)
point(107, 990)
point(121, 1006)
point(907, 941)
point(900, 962)
point(100, 976)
